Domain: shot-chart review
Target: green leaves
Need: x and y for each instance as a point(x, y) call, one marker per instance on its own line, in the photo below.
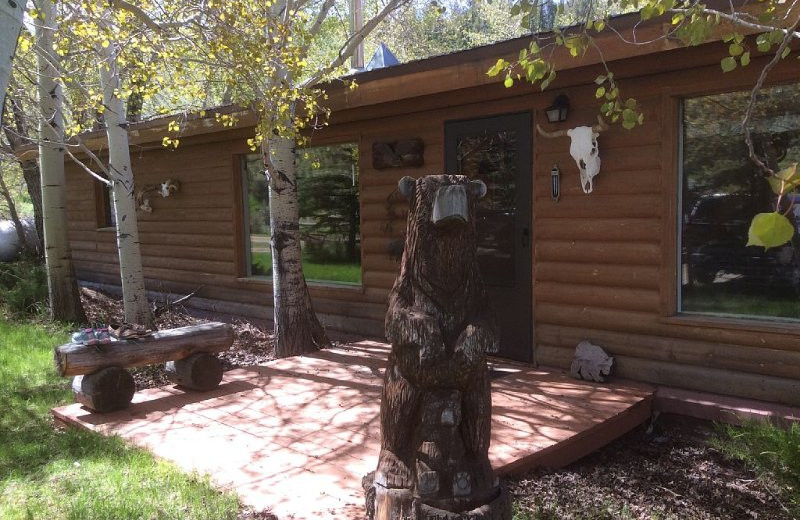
point(765, 41)
point(774, 229)
point(785, 181)
point(769, 230)
point(728, 64)
point(613, 108)
point(497, 67)
point(738, 53)
point(529, 64)
point(735, 49)
point(745, 59)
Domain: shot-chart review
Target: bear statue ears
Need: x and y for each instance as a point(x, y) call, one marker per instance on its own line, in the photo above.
point(407, 185)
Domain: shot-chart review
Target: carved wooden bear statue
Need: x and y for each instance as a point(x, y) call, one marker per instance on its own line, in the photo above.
point(436, 402)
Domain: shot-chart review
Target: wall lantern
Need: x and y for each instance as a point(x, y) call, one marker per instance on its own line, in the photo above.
point(555, 183)
point(557, 112)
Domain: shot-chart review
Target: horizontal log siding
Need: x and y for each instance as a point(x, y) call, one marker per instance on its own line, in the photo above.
point(603, 262)
point(189, 240)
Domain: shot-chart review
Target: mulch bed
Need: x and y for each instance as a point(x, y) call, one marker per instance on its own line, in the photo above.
point(666, 470)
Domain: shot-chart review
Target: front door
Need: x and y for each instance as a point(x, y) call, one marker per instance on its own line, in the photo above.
point(497, 150)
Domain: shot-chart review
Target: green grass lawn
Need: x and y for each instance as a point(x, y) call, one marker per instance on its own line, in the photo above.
point(47, 473)
point(773, 452)
point(717, 298)
point(313, 271)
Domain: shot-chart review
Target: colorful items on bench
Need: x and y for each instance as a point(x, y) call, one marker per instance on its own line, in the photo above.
point(92, 336)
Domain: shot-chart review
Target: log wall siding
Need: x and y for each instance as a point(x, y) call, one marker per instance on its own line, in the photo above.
point(604, 264)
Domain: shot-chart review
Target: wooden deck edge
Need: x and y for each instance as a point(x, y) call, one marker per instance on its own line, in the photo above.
point(722, 408)
point(585, 442)
point(66, 421)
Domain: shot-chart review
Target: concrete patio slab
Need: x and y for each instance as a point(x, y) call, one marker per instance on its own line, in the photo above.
point(296, 436)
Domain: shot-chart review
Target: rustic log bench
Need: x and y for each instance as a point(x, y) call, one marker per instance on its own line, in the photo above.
point(103, 384)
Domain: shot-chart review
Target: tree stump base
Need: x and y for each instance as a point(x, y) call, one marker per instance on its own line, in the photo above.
point(497, 509)
point(106, 390)
point(400, 504)
point(202, 371)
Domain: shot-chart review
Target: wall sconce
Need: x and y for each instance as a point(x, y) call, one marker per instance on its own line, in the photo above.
point(557, 112)
point(555, 183)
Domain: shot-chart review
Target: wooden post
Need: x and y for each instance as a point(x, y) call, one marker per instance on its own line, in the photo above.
point(109, 389)
point(201, 372)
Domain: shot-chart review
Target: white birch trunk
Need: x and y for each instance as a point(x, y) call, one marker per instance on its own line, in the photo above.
point(297, 329)
point(11, 14)
point(65, 303)
point(134, 293)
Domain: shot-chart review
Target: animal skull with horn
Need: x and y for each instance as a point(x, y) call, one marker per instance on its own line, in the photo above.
point(583, 148)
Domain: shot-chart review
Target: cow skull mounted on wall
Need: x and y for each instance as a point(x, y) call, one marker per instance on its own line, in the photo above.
point(583, 148)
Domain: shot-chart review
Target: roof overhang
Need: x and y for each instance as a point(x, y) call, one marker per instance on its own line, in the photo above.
point(439, 74)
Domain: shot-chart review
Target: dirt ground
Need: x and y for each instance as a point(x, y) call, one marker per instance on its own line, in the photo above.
point(663, 470)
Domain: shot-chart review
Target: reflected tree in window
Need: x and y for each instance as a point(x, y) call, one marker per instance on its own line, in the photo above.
point(329, 214)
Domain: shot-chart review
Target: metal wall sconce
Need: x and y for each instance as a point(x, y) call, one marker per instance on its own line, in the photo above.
point(557, 112)
point(555, 183)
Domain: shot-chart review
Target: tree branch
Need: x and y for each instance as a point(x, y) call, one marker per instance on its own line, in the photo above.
point(323, 13)
point(87, 169)
point(748, 138)
point(350, 45)
point(737, 20)
point(147, 20)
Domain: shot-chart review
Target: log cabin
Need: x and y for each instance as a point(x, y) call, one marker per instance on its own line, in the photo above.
point(651, 265)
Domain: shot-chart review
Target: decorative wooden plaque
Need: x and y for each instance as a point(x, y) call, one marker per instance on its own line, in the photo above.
point(396, 154)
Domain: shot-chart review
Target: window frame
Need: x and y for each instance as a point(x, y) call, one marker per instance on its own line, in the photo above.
point(242, 221)
point(104, 207)
point(245, 227)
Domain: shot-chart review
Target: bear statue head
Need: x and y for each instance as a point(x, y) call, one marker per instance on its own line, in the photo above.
point(440, 240)
point(445, 201)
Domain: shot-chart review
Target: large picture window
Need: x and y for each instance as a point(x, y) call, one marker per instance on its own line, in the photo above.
point(721, 192)
point(327, 181)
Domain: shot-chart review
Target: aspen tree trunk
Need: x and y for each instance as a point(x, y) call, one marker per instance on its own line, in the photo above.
point(65, 302)
point(134, 293)
point(30, 168)
point(33, 183)
point(11, 14)
point(297, 329)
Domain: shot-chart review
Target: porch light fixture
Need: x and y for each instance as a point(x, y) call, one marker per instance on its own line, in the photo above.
point(555, 183)
point(557, 112)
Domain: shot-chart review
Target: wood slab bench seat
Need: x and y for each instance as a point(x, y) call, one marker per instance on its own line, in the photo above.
point(103, 384)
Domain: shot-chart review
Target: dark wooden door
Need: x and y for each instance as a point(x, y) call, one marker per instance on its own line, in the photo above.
point(498, 151)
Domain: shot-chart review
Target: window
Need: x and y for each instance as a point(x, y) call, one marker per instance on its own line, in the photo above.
point(104, 206)
point(327, 179)
point(721, 192)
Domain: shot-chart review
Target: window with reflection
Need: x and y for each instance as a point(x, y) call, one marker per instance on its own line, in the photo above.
point(327, 180)
point(492, 157)
point(721, 192)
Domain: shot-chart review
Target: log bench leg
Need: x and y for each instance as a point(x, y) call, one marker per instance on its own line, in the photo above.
point(201, 371)
point(106, 390)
